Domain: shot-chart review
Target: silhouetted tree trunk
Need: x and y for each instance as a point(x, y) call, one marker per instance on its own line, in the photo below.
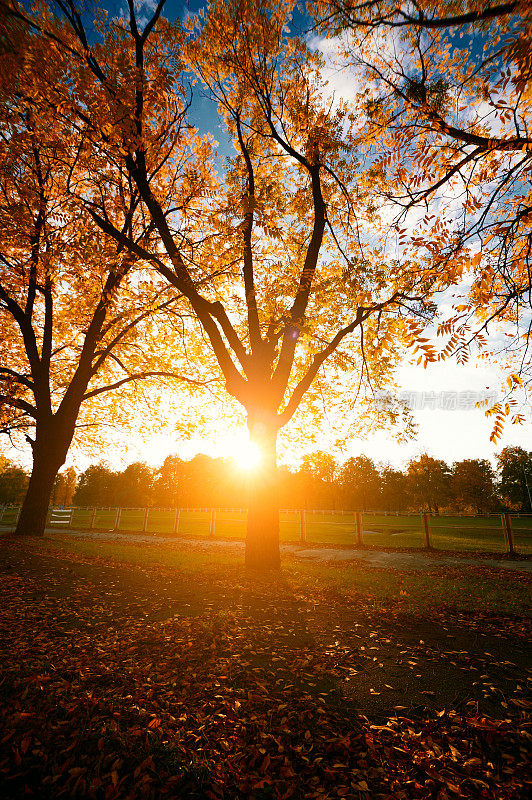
point(262, 539)
point(50, 448)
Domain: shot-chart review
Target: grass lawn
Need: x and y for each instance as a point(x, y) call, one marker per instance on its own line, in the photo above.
point(464, 588)
point(480, 534)
point(134, 672)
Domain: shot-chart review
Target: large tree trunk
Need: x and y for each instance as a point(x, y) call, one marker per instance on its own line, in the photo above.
point(49, 454)
point(262, 539)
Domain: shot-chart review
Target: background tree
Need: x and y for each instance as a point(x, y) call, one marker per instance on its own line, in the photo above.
point(394, 490)
point(429, 481)
point(95, 487)
point(448, 102)
point(317, 479)
point(361, 483)
point(64, 487)
point(292, 487)
point(134, 486)
point(473, 484)
point(13, 482)
point(319, 482)
point(75, 311)
point(168, 485)
point(213, 482)
point(515, 477)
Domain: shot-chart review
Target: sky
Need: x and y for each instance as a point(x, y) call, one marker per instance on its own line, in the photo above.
point(442, 396)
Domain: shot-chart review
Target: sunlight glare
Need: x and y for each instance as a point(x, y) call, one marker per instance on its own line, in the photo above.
point(247, 455)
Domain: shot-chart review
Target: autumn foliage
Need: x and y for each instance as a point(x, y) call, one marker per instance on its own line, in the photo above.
point(310, 263)
point(446, 93)
point(135, 681)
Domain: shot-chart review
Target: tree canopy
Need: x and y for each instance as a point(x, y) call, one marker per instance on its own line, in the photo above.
point(446, 96)
point(77, 312)
point(286, 237)
point(291, 262)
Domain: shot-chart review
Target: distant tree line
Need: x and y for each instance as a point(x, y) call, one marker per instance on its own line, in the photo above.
point(14, 484)
point(427, 484)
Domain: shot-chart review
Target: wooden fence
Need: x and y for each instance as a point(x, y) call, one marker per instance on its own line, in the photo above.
point(325, 526)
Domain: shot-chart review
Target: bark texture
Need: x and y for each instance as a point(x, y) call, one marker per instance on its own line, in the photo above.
point(49, 453)
point(262, 539)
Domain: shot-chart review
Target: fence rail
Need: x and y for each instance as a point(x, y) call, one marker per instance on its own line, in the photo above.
point(505, 532)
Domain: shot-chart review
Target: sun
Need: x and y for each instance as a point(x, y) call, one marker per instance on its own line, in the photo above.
point(247, 455)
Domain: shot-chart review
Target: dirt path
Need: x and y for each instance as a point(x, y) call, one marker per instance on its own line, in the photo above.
point(382, 560)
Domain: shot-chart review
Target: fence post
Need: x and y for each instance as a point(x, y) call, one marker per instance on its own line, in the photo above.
point(302, 526)
point(508, 533)
point(117, 519)
point(176, 520)
point(426, 526)
point(93, 517)
point(145, 522)
point(358, 524)
point(212, 526)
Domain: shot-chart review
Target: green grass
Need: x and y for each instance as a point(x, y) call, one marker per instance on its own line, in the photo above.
point(9, 516)
point(174, 556)
point(448, 533)
point(466, 588)
point(480, 534)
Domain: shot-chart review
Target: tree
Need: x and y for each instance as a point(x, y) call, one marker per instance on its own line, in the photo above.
point(473, 484)
point(13, 482)
point(394, 490)
point(515, 472)
point(317, 473)
point(64, 487)
point(134, 486)
point(292, 488)
point(168, 487)
point(321, 465)
point(287, 239)
point(209, 482)
point(448, 108)
point(75, 311)
point(429, 482)
point(95, 487)
point(360, 481)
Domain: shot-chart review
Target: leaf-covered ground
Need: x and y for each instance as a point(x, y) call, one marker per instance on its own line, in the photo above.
point(130, 681)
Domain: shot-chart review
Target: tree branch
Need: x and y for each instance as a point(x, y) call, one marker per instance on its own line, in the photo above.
point(17, 377)
point(249, 281)
point(16, 402)
point(142, 376)
point(397, 17)
point(299, 306)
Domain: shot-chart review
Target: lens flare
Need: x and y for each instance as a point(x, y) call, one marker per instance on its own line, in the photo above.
point(247, 456)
